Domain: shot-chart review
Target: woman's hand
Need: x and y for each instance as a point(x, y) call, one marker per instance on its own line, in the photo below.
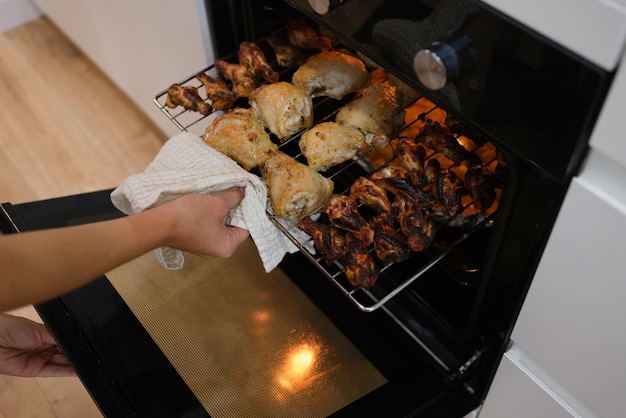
point(28, 349)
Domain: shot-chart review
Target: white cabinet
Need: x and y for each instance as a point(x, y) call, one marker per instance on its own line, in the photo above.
point(142, 46)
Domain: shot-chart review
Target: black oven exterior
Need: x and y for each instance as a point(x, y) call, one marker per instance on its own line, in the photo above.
point(438, 355)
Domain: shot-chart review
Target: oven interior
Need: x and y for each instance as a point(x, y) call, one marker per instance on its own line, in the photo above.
point(457, 300)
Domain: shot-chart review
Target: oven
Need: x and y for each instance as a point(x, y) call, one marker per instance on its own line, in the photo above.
point(427, 338)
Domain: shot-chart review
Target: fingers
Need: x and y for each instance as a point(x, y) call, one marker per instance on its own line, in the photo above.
point(233, 196)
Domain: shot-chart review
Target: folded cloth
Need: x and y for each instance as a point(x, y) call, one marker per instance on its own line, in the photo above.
point(186, 165)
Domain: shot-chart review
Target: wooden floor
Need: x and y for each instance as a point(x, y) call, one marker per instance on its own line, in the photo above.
point(64, 129)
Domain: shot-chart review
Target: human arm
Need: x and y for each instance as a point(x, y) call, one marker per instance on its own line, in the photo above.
point(39, 265)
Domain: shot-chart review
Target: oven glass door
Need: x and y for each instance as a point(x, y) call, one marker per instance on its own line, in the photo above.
point(222, 338)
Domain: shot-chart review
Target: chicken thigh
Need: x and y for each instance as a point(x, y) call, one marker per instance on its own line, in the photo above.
point(328, 144)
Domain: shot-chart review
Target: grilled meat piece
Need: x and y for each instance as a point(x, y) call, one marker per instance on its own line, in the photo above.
point(370, 194)
point(410, 156)
point(358, 264)
point(343, 213)
point(287, 55)
point(302, 35)
point(333, 74)
point(397, 180)
point(252, 57)
point(240, 135)
point(388, 242)
point(328, 240)
point(217, 91)
point(187, 97)
point(328, 144)
point(295, 190)
point(445, 185)
point(418, 231)
point(377, 113)
point(480, 184)
point(243, 81)
point(439, 138)
point(284, 108)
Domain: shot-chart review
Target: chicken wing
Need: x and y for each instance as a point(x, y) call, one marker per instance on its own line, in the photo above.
point(287, 55)
point(410, 156)
point(418, 231)
point(370, 194)
point(295, 190)
point(377, 113)
point(358, 264)
point(253, 58)
point(243, 81)
point(241, 136)
point(188, 98)
point(343, 213)
point(439, 138)
point(328, 240)
point(388, 242)
point(302, 35)
point(481, 186)
point(398, 181)
point(333, 74)
point(283, 108)
point(445, 185)
point(328, 144)
point(217, 91)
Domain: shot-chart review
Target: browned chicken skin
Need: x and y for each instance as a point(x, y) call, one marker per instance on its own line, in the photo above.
point(252, 57)
point(370, 194)
point(439, 138)
point(445, 185)
point(303, 35)
point(328, 143)
point(243, 81)
point(287, 55)
point(398, 181)
point(410, 156)
point(480, 184)
point(388, 242)
point(418, 231)
point(343, 213)
point(327, 239)
point(187, 97)
point(359, 265)
point(217, 91)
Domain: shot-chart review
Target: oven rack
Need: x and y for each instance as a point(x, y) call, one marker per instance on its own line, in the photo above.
point(366, 300)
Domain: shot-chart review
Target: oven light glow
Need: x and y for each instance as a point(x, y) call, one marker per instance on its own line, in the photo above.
point(298, 367)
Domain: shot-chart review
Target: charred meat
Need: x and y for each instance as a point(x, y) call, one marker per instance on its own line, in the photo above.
point(370, 194)
point(388, 242)
point(217, 92)
point(327, 239)
point(243, 81)
point(252, 57)
point(359, 265)
point(343, 212)
point(418, 231)
point(188, 98)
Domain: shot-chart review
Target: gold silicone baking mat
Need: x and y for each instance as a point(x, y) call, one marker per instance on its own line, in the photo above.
point(247, 343)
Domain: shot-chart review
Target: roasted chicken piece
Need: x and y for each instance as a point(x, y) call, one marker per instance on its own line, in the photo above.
point(370, 194)
point(328, 144)
point(410, 156)
point(328, 240)
point(397, 180)
point(295, 190)
point(283, 108)
point(418, 231)
point(333, 74)
point(241, 136)
point(388, 242)
point(243, 81)
point(377, 114)
point(287, 55)
point(481, 186)
point(343, 212)
point(217, 92)
point(439, 138)
point(358, 264)
point(253, 58)
point(187, 97)
point(302, 35)
point(445, 185)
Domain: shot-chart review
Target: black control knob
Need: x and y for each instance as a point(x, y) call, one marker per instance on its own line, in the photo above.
point(444, 61)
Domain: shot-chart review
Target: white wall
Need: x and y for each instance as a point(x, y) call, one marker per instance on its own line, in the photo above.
point(16, 12)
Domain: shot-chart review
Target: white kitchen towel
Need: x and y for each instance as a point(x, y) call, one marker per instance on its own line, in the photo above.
point(185, 165)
